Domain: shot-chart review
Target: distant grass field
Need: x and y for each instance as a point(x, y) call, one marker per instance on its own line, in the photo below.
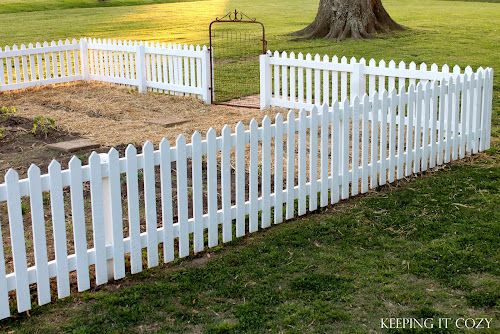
point(424, 248)
point(16, 6)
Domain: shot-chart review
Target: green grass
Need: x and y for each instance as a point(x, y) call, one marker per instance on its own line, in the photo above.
point(16, 6)
point(425, 248)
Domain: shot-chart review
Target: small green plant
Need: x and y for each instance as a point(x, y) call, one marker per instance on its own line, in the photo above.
point(43, 126)
point(2, 133)
point(6, 112)
point(25, 208)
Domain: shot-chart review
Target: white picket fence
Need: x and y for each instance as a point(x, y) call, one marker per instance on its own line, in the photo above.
point(169, 68)
point(297, 82)
point(334, 152)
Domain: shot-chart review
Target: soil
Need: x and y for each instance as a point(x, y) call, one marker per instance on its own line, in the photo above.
point(20, 147)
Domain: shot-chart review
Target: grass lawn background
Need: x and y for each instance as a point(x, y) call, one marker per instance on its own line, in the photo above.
point(424, 248)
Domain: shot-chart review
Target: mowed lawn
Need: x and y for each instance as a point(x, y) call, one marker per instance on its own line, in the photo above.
point(424, 247)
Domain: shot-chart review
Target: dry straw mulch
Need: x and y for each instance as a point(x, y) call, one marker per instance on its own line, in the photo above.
point(112, 115)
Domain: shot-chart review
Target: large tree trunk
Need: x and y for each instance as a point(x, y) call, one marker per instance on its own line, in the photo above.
point(340, 19)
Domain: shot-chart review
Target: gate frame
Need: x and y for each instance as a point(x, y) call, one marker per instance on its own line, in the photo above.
point(232, 17)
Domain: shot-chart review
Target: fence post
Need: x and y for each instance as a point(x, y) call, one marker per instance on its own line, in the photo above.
point(206, 68)
point(358, 81)
point(140, 68)
point(265, 82)
point(84, 58)
point(489, 110)
point(108, 219)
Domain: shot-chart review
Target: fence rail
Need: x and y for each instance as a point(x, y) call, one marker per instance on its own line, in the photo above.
point(169, 68)
point(102, 215)
point(297, 82)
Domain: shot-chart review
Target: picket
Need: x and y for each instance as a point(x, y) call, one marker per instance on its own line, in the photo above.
point(150, 204)
point(441, 135)
point(284, 77)
point(381, 77)
point(324, 154)
point(335, 81)
point(78, 218)
point(17, 70)
point(383, 139)
point(17, 241)
point(227, 228)
point(302, 128)
point(317, 83)
point(166, 201)
point(463, 117)
point(470, 112)
point(115, 213)
point(182, 197)
point(326, 83)
point(477, 113)
point(278, 169)
point(8, 65)
point(425, 128)
point(374, 148)
point(240, 179)
point(59, 229)
point(313, 158)
point(133, 209)
point(96, 189)
point(393, 104)
point(293, 91)
point(355, 146)
point(197, 186)
point(300, 79)
point(309, 82)
point(410, 130)
point(39, 237)
point(254, 181)
point(266, 173)
point(417, 131)
point(213, 232)
point(2, 71)
point(336, 147)
point(290, 165)
point(402, 100)
point(484, 111)
point(345, 129)
point(365, 142)
point(276, 78)
point(434, 113)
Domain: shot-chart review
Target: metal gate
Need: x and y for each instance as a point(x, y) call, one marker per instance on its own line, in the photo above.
point(236, 41)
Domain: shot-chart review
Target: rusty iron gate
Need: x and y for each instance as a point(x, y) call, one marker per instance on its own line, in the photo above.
point(236, 41)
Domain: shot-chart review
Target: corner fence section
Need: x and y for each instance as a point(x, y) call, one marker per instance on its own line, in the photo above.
point(167, 68)
point(90, 224)
point(298, 81)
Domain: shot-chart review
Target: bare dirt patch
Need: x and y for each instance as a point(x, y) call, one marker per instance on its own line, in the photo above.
point(111, 115)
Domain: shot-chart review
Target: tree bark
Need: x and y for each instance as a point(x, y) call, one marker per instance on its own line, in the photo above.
point(341, 19)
